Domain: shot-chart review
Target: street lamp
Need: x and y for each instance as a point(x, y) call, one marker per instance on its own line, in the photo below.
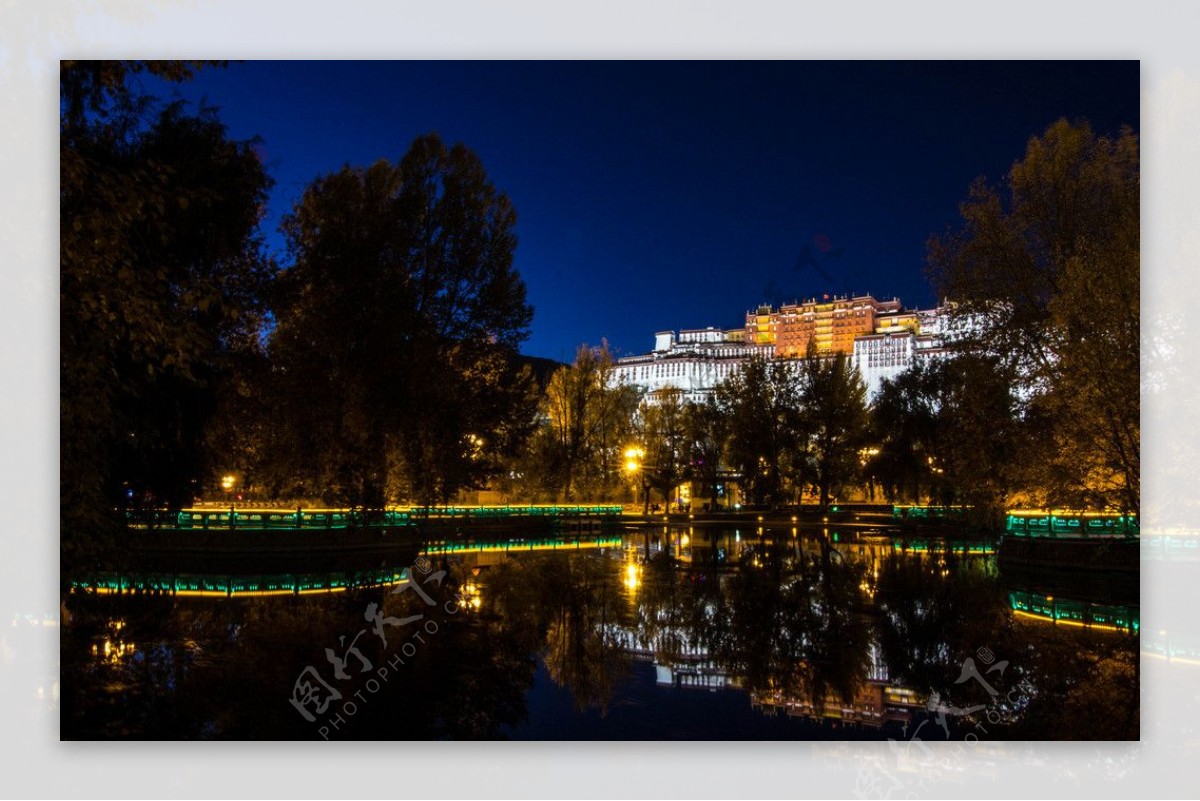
point(633, 459)
point(633, 464)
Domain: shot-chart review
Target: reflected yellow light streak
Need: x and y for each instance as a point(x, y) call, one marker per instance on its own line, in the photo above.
point(1062, 621)
point(632, 578)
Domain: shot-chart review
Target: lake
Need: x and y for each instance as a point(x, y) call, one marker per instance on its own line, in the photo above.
point(658, 632)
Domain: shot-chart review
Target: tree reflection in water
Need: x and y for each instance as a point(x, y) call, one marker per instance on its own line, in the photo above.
point(572, 608)
point(797, 623)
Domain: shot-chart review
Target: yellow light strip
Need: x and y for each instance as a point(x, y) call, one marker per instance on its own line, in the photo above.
point(521, 548)
point(1183, 660)
point(285, 511)
point(243, 593)
point(1066, 513)
point(1067, 622)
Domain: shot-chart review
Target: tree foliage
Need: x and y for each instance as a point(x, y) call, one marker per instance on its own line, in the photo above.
point(950, 432)
point(1044, 272)
point(398, 323)
point(663, 435)
point(588, 421)
point(762, 405)
point(707, 431)
point(162, 273)
point(833, 425)
point(903, 429)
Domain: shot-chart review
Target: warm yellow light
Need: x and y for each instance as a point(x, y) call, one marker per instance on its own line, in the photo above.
point(631, 466)
point(631, 580)
point(684, 540)
point(227, 482)
point(633, 452)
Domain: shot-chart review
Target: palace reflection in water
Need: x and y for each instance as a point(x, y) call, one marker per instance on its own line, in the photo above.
point(666, 632)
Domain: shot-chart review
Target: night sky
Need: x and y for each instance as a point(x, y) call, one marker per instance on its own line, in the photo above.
point(668, 195)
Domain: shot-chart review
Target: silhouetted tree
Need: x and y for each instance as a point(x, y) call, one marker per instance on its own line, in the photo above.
point(398, 324)
point(834, 425)
point(903, 427)
point(761, 402)
point(162, 277)
point(707, 430)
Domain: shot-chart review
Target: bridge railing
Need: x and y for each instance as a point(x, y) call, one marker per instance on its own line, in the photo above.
point(200, 518)
point(915, 512)
point(1071, 525)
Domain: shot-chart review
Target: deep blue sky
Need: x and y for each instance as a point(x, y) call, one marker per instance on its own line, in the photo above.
point(667, 195)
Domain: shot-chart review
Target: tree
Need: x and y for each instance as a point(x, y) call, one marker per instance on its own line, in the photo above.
point(588, 423)
point(1044, 276)
point(761, 402)
point(398, 323)
point(950, 431)
point(903, 426)
point(980, 453)
point(833, 398)
point(707, 431)
point(664, 441)
point(162, 276)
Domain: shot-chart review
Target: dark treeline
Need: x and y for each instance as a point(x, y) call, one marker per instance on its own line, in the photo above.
point(380, 364)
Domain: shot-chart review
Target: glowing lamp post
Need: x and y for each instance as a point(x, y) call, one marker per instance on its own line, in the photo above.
point(633, 465)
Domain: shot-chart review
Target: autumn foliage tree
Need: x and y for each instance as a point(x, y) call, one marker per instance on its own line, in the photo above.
point(587, 422)
point(1044, 274)
point(664, 444)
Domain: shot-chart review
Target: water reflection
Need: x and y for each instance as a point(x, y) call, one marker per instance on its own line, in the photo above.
point(856, 630)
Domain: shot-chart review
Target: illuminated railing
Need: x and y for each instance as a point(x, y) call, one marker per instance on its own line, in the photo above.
point(1173, 648)
point(921, 546)
point(914, 512)
point(199, 518)
point(499, 512)
point(1069, 612)
point(1067, 524)
point(520, 545)
point(221, 586)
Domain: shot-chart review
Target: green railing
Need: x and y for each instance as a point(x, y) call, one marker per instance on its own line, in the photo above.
point(914, 512)
point(519, 545)
point(938, 546)
point(234, 518)
point(229, 586)
point(1071, 525)
point(1073, 612)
